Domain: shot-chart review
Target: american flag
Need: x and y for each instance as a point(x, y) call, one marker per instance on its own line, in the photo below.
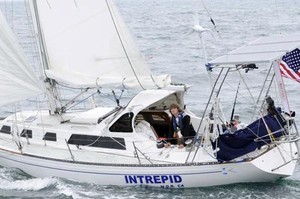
point(290, 65)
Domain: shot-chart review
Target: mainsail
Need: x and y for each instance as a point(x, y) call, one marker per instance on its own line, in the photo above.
point(17, 78)
point(87, 44)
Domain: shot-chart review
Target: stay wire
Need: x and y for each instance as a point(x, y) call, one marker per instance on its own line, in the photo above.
point(83, 100)
point(214, 24)
point(119, 36)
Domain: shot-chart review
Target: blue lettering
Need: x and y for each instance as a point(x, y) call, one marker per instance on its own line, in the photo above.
point(157, 179)
point(132, 179)
point(164, 179)
point(177, 179)
point(169, 186)
point(148, 179)
point(141, 179)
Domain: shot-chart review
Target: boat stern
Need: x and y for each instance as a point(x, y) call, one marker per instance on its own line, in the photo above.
point(279, 161)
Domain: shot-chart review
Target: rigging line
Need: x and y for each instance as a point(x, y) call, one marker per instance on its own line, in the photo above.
point(106, 95)
point(128, 156)
point(231, 86)
point(258, 138)
point(48, 3)
point(33, 40)
point(222, 83)
point(143, 154)
point(118, 99)
point(267, 128)
point(261, 92)
point(71, 101)
point(270, 133)
point(119, 36)
point(15, 130)
point(107, 141)
point(43, 127)
point(82, 100)
point(211, 94)
point(267, 91)
point(159, 87)
point(5, 6)
point(22, 123)
point(215, 26)
point(31, 122)
point(204, 112)
point(282, 118)
point(209, 99)
point(248, 89)
point(75, 2)
point(12, 14)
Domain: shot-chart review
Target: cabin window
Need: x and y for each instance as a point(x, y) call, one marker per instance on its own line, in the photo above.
point(123, 124)
point(97, 141)
point(50, 136)
point(26, 133)
point(5, 129)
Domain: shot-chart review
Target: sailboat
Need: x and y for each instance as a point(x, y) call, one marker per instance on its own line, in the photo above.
point(85, 45)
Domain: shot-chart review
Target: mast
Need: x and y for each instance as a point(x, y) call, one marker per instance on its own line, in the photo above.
point(53, 97)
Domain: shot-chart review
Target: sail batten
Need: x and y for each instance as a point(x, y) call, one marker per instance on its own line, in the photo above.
point(88, 41)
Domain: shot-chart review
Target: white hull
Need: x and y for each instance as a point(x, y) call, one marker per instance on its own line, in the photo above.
point(163, 175)
point(123, 145)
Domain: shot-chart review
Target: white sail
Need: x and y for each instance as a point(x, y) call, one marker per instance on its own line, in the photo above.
point(17, 78)
point(87, 44)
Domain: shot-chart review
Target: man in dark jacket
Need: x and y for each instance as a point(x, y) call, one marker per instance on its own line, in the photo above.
point(181, 127)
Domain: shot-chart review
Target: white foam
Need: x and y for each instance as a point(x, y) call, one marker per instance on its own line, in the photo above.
point(27, 184)
point(68, 189)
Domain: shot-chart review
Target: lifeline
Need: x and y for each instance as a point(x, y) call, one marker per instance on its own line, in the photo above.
point(152, 179)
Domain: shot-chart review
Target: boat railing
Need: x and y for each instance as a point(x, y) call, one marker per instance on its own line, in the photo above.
point(136, 153)
point(270, 135)
point(72, 156)
point(285, 163)
point(296, 134)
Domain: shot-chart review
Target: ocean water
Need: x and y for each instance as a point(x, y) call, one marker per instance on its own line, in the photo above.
point(160, 28)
